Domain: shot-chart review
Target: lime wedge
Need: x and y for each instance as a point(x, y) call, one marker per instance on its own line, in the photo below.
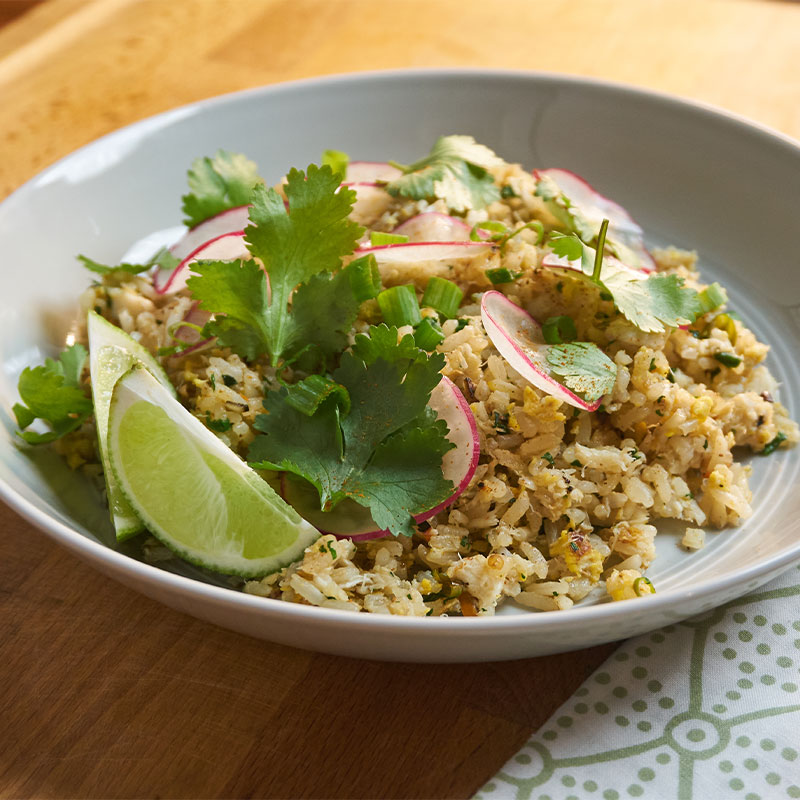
point(192, 492)
point(111, 354)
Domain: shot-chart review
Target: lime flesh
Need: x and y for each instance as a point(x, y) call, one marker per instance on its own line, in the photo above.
point(193, 493)
point(111, 354)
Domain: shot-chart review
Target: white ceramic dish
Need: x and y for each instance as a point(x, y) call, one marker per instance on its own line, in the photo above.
point(691, 175)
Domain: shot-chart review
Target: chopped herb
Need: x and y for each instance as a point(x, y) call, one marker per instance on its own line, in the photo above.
point(212, 379)
point(549, 459)
point(641, 580)
point(229, 380)
point(218, 425)
point(712, 297)
point(163, 258)
point(557, 330)
point(502, 275)
point(337, 161)
point(216, 184)
point(670, 376)
point(771, 446)
point(728, 359)
point(461, 324)
point(584, 368)
point(634, 454)
point(378, 238)
point(301, 251)
point(386, 452)
point(456, 171)
point(714, 372)
point(705, 444)
point(506, 192)
point(659, 412)
point(53, 393)
point(332, 551)
point(465, 541)
point(652, 367)
point(560, 286)
point(661, 398)
point(501, 422)
point(576, 463)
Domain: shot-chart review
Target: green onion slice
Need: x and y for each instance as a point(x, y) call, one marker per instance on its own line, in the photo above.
point(643, 580)
point(557, 330)
point(428, 334)
point(443, 296)
point(337, 161)
point(378, 238)
point(501, 275)
point(728, 359)
point(497, 229)
point(399, 306)
point(712, 297)
point(307, 395)
point(365, 278)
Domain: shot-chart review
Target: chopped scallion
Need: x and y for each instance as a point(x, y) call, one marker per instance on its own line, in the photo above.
point(337, 161)
point(365, 278)
point(641, 580)
point(443, 296)
point(496, 229)
point(557, 330)
point(728, 359)
point(378, 238)
point(399, 306)
point(712, 297)
point(428, 334)
point(307, 395)
point(501, 275)
point(771, 446)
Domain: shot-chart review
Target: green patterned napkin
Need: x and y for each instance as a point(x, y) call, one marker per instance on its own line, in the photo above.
point(707, 708)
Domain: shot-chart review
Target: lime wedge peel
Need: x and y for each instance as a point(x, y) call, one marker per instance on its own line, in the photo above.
point(111, 354)
point(194, 493)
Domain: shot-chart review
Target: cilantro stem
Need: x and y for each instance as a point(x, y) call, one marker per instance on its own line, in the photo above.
point(598, 258)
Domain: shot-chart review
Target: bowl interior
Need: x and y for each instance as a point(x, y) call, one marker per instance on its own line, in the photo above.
point(692, 177)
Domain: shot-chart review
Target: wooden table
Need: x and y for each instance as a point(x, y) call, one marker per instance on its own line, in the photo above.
point(104, 693)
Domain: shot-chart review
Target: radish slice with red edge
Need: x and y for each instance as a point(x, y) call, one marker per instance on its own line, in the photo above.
point(225, 247)
point(230, 221)
point(415, 252)
point(371, 201)
point(623, 231)
point(370, 172)
point(349, 520)
point(194, 316)
point(518, 338)
point(433, 226)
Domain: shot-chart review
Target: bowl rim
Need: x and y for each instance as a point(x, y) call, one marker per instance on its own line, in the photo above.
point(525, 622)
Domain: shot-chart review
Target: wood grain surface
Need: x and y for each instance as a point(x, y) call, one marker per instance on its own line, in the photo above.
point(104, 693)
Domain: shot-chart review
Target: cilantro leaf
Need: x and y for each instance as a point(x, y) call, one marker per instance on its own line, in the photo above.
point(567, 246)
point(52, 393)
point(163, 258)
point(217, 184)
point(293, 246)
point(386, 452)
point(324, 309)
point(650, 301)
point(456, 171)
point(584, 368)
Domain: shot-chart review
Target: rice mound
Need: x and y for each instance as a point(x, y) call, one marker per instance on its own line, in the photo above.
point(563, 503)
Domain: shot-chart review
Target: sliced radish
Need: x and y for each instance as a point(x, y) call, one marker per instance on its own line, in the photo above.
point(624, 234)
point(518, 338)
point(460, 463)
point(552, 261)
point(433, 226)
point(371, 172)
point(349, 520)
point(194, 316)
point(416, 252)
point(234, 219)
point(225, 247)
point(371, 201)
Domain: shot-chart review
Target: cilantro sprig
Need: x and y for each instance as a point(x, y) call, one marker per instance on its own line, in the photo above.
point(53, 393)
point(385, 451)
point(652, 302)
point(456, 171)
point(584, 368)
point(301, 298)
point(163, 258)
point(217, 184)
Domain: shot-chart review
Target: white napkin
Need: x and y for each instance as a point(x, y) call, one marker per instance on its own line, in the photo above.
point(707, 708)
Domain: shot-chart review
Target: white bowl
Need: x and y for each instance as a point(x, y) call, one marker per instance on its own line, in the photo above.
point(691, 175)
